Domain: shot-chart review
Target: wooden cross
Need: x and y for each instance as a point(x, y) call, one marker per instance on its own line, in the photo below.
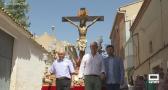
point(82, 27)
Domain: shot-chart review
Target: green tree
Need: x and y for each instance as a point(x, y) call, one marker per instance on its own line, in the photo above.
point(1, 3)
point(19, 10)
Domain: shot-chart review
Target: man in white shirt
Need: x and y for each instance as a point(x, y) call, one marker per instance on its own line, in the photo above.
point(63, 69)
point(92, 68)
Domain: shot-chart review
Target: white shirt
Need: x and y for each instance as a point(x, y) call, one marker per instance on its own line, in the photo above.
point(91, 65)
point(62, 68)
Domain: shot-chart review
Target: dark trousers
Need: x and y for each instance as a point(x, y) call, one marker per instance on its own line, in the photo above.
point(113, 87)
point(63, 84)
point(92, 82)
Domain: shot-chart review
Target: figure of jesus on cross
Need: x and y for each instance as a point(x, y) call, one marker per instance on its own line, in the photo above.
point(82, 18)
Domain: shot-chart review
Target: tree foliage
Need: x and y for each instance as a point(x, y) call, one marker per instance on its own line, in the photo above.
point(1, 3)
point(19, 10)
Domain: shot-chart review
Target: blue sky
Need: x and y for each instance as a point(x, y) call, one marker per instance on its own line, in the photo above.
point(45, 13)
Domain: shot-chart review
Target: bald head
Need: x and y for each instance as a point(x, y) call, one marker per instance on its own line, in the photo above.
point(93, 44)
point(93, 47)
point(61, 54)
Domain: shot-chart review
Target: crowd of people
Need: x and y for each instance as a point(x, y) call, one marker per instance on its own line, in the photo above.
point(97, 72)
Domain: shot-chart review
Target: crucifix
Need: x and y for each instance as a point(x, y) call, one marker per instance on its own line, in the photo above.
point(82, 27)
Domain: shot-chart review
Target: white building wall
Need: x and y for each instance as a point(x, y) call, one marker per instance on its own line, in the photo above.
point(27, 65)
point(30, 66)
point(129, 54)
point(130, 13)
point(149, 29)
point(164, 15)
point(153, 26)
point(164, 8)
point(127, 29)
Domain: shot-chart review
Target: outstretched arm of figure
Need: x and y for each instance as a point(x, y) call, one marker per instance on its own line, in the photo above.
point(94, 21)
point(72, 22)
